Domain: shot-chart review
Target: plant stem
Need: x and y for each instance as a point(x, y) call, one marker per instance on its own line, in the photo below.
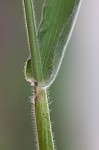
point(43, 125)
point(44, 131)
point(32, 39)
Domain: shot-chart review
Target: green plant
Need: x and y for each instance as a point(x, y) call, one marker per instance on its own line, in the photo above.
point(47, 46)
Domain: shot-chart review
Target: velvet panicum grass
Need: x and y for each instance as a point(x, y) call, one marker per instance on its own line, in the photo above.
point(47, 46)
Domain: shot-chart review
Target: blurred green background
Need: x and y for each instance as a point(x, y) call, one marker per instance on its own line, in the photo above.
point(74, 94)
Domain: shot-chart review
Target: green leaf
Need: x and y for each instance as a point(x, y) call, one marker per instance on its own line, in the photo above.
point(54, 33)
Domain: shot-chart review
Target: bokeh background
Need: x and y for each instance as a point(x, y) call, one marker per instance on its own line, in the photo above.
point(75, 93)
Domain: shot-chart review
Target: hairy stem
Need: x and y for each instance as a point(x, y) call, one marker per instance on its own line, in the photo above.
point(43, 125)
point(32, 39)
point(44, 130)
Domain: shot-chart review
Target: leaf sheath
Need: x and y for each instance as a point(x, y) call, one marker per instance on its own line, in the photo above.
point(44, 130)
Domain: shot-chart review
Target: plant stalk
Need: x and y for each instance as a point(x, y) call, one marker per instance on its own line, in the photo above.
point(42, 116)
point(44, 130)
point(32, 39)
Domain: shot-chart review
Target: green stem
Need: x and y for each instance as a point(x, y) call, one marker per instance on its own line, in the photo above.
point(44, 131)
point(43, 125)
point(32, 37)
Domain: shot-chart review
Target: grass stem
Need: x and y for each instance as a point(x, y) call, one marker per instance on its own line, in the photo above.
point(32, 39)
point(44, 130)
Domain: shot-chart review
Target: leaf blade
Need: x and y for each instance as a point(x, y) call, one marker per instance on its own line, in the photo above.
point(54, 32)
